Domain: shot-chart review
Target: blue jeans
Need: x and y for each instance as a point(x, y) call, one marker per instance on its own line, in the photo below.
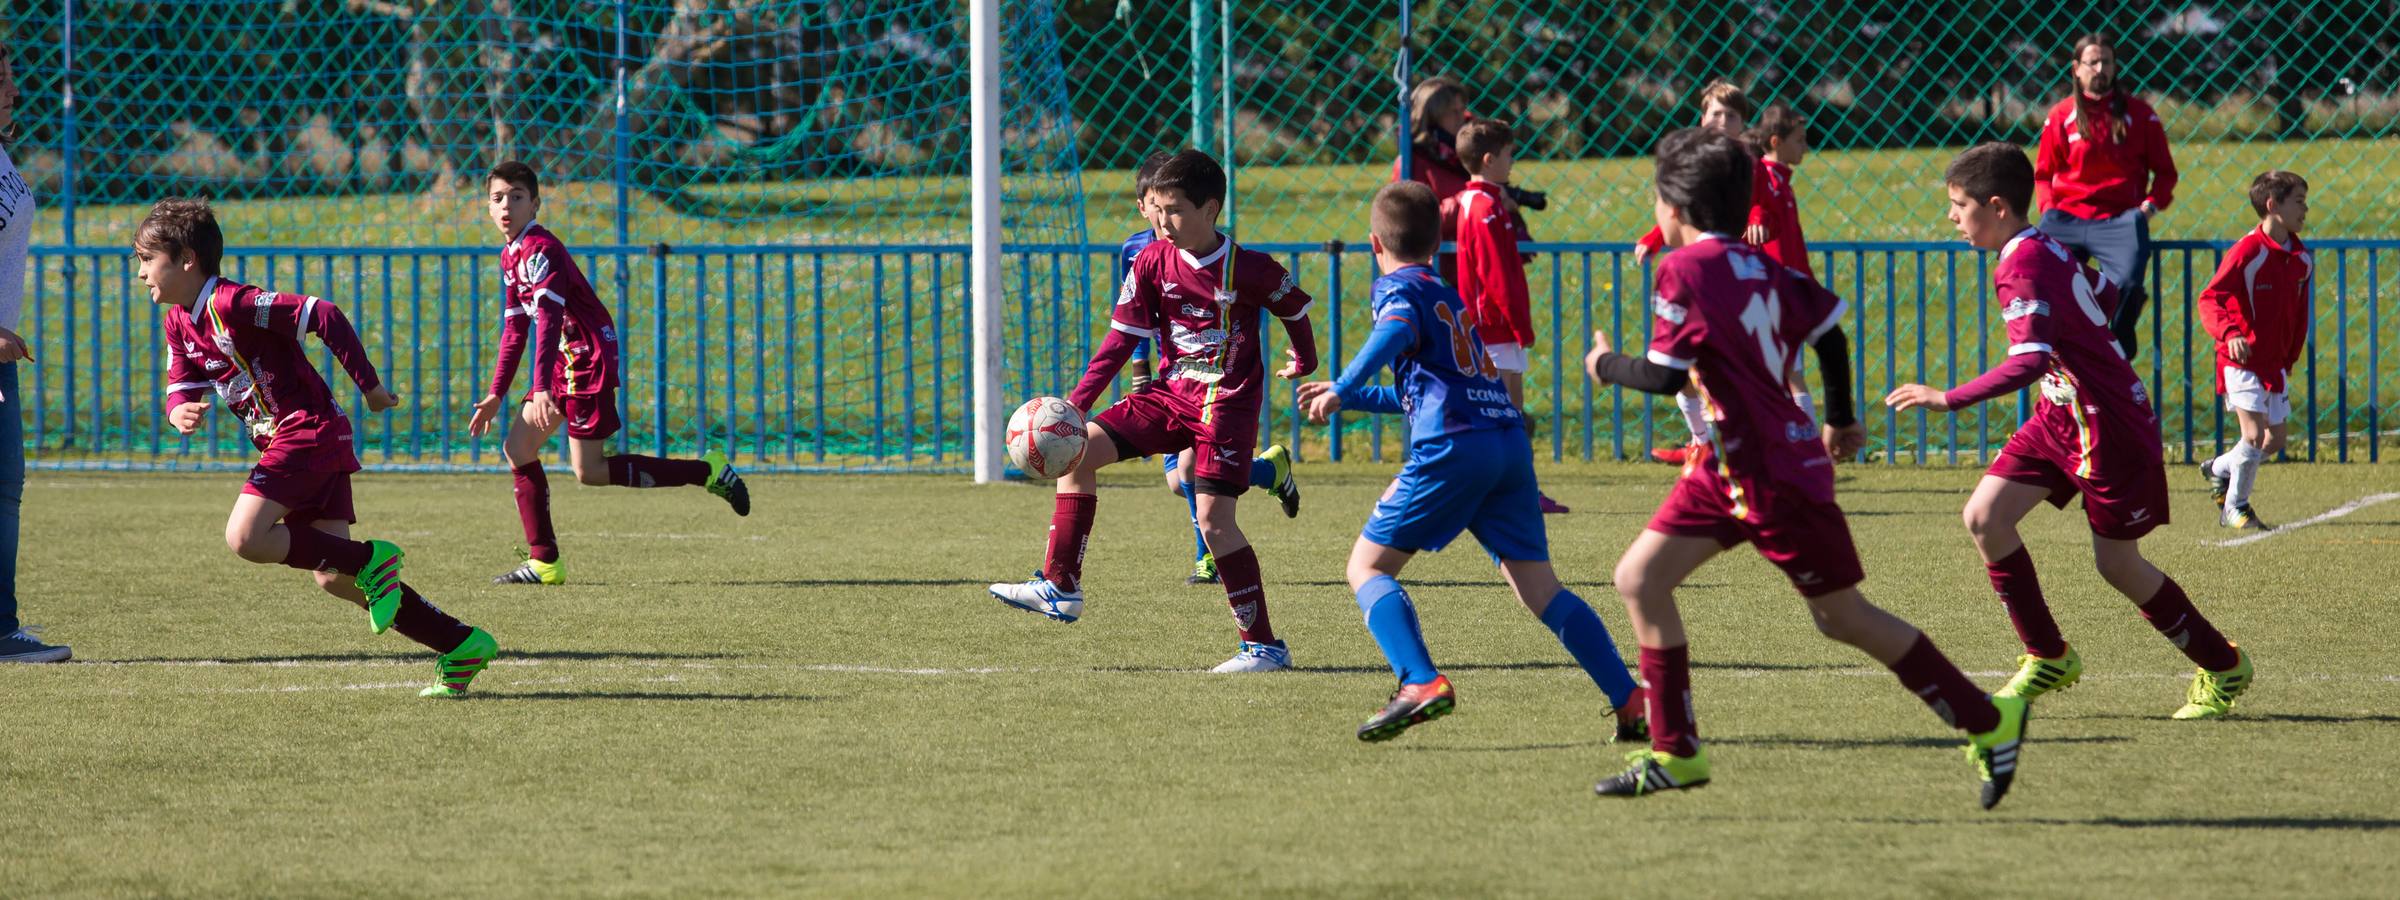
point(12, 492)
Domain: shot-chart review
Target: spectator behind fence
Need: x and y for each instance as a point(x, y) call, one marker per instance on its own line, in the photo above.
point(1437, 109)
point(16, 234)
point(2102, 172)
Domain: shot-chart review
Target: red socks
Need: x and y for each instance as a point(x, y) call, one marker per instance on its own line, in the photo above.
point(316, 551)
point(1070, 530)
point(1246, 595)
point(2172, 614)
point(533, 509)
point(1668, 671)
point(2021, 592)
point(427, 624)
point(1938, 682)
point(651, 471)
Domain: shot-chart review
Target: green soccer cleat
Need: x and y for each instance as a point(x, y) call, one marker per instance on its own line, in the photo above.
point(460, 666)
point(1994, 752)
point(2241, 516)
point(2217, 484)
point(2037, 676)
point(726, 483)
point(381, 582)
point(534, 571)
point(1654, 771)
point(1286, 489)
point(1204, 570)
point(2213, 693)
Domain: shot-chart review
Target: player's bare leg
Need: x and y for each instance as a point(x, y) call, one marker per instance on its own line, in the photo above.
point(1646, 578)
point(1245, 592)
point(2223, 669)
point(1991, 516)
point(1056, 590)
point(255, 532)
point(1586, 638)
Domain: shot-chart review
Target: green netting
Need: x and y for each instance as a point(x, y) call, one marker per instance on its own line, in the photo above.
point(1891, 90)
point(371, 122)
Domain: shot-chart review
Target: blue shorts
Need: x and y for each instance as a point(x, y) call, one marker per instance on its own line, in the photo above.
point(1479, 481)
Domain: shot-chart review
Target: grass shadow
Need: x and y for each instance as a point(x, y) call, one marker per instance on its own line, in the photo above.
point(2238, 718)
point(1509, 748)
point(821, 582)
point(1945, 743)
point(506, 653)
point(636, 695)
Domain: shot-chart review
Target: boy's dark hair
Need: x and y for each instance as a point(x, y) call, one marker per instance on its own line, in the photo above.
point(1194, 173)
point(1728, 94)
point(1150, 164)
point(1481, 137)
point(517, 174)
point(1994, 169)
point(1408, 220)
point(2277, 185)
point(1779, 122)
point(1705, 176)
point(177, 224)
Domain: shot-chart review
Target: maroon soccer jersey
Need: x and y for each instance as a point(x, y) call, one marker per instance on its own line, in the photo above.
point(1737, 320)
point(1171, 298)
point(2056, 306)
point(242, 343)
point(574, 339)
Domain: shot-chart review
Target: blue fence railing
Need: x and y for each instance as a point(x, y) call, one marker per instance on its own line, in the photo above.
point(857, 358)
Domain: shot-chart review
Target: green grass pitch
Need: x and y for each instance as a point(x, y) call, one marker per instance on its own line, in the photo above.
point(820, 700)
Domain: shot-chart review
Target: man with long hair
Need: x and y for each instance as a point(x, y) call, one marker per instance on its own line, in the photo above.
point(2102, 172)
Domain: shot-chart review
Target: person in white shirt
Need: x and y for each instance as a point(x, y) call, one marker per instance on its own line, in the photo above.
point(16, 234)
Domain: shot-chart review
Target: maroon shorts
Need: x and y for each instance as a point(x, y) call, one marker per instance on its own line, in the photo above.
point(590, 417)
point(2124, 489)
point(1808, 540)
point(312, 493)
point(1156, 421)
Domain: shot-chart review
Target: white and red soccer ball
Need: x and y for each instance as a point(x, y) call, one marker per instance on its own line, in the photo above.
point(1045, 437)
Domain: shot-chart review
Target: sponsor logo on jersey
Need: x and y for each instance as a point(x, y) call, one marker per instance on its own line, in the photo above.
point(1197, 312)
point(533, 268)
point(1667, 309)
point(2022, 307)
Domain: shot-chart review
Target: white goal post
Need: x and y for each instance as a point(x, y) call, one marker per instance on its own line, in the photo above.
point(983, 63)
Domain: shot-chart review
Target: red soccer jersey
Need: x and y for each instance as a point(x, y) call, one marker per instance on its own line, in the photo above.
point(1171, 299)
point(574, 338)
point(1758, 206)
point(242, 343)
point(1781, 214)
point(2058, 307)
point(2106, 175)
point(1736, 320)
point(2260, 293)
point(1491, 274)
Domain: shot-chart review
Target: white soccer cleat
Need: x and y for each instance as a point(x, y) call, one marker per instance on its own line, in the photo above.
point(1257, 657)
point(1041, 596)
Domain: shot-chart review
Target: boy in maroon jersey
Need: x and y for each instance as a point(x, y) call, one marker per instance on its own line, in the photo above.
point(2257, 309)
point(2092, 433)
point(575, 366)
point(1199, 298)
point(241, 344)
point(1730, 320)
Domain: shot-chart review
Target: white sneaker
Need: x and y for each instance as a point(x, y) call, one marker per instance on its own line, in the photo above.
point(1257, 657)
point(1041, 596)
point(21, 646)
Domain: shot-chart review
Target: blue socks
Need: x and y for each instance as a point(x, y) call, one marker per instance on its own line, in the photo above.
point(1586, 639)
point(1191, 504)
point(1392, 619)
point(1262, 474)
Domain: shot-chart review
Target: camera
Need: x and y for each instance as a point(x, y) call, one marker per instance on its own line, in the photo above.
point(1534, 200)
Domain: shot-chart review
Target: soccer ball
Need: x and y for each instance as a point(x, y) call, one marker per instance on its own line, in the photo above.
point(1045, 437)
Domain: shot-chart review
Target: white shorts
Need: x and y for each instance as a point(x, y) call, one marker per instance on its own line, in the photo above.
point(2244, 392)
point(1507, 357)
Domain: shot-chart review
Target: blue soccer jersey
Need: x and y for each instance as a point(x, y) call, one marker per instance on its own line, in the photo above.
point(1444, 382)
point(1131, 248)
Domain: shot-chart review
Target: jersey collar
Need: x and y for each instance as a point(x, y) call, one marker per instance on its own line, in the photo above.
point(1224, 244)
point(522, 232)
point(2010, 249)
point(208, 289)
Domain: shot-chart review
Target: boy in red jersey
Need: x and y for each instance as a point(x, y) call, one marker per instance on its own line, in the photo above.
point(575, 369)
point(2257, 308)
point(2092, 433)
point(241, 344)
point(1491, 273)
point(1730, 320)
point(1199, 298)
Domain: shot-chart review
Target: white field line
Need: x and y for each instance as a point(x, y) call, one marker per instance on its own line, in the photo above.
point(2326, 516)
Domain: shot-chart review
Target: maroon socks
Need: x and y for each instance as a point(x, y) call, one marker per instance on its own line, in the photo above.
point(2021, 592)
point(533, 509)
point(1070, 530)
point(1243, 592)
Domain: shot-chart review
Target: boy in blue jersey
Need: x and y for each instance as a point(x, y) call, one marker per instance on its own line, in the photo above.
point(1271, 470)
point(1469, 469)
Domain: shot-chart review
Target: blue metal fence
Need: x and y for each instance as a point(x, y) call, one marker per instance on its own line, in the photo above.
point(856, 358)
